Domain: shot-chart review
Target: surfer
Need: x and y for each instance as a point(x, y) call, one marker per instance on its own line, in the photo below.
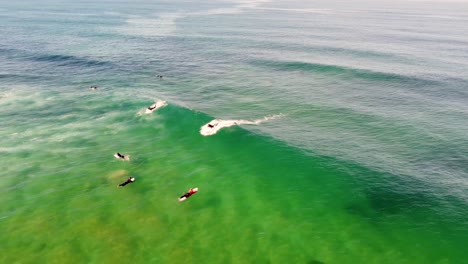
point(212, 126)
point(129, 180)
point(120, 156)
point(190, 192)
point(94, 87)
point(158, 104)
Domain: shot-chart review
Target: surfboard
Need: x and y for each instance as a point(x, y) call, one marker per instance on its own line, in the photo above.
point(125, 157)
point(187, 194)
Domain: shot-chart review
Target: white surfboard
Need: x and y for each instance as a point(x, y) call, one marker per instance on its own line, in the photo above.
point(186, 195)
point(121, 157)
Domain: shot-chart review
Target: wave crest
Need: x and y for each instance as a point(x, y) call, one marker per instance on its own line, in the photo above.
point(341, 70)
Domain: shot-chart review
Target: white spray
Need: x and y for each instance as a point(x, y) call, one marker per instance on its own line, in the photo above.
point(215, 125)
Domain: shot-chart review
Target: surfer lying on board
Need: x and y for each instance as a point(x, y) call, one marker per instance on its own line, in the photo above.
point(188, 194)
point(121, 157)
point(129, 180)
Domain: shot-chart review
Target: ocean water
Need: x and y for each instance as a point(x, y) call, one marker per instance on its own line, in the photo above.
point(341, 131)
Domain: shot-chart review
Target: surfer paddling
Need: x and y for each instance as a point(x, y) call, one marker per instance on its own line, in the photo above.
point(121, 157)
point(190, 192)
point(129, 180)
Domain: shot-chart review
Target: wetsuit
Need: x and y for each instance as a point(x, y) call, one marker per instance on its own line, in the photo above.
point(188, 194)
point(129, 180)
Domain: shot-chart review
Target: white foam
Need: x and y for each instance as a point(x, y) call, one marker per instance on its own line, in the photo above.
point(215, 125)
point(162, 25)
point(304, 10)
point(165, 24)
point(218, 11)
point(251, 3)
point(157, 105)
point(239, 7)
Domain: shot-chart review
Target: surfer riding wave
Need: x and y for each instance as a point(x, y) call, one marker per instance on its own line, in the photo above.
point(215, 125)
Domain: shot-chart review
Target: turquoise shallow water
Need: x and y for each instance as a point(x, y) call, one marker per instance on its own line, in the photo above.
point(348, 146)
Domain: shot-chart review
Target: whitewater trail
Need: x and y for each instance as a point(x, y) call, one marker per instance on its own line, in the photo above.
point(216, 124)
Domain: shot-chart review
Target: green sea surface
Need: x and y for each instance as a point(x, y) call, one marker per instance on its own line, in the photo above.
point(260, 200)
point(349, 143)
